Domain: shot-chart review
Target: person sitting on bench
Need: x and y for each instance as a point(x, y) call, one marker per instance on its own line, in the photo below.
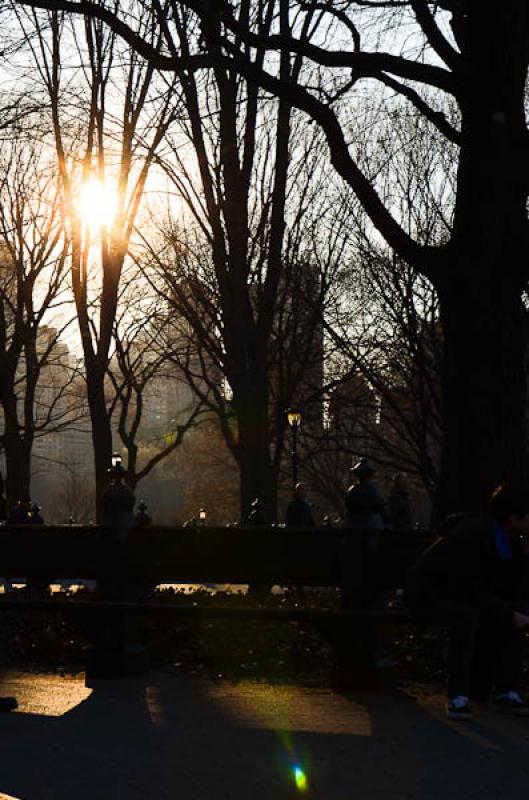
point(473, 579)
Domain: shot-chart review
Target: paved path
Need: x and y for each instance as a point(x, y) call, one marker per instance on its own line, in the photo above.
point(168, 737)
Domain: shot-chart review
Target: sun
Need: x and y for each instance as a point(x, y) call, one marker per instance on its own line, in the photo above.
point(97, 204)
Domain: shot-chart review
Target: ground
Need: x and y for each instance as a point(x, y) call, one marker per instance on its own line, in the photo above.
point(171, 736)
point(235, 711)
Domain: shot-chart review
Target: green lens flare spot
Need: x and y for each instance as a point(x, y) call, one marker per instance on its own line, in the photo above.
point(301, 779)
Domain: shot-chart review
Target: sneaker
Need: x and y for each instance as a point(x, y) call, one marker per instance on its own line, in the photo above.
point(458, 708)
point(510, 703)
point(8, 703)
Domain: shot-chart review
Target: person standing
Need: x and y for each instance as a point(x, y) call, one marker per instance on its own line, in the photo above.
point(364, 505)
point(299, 512)
point(475, 579)
point(399, 506)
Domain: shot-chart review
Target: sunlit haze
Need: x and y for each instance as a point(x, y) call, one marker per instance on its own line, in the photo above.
point(97, 204)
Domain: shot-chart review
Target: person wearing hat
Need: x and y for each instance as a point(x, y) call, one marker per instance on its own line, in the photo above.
point(364, 505)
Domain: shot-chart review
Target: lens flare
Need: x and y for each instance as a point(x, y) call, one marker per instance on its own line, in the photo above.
point(300, 779)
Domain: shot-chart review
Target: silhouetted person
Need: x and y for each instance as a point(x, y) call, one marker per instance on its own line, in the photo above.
point(364, 505)
point(474, 578)
point(21, 514)
point(299, 512)
point(36, 516)
point(399, 506)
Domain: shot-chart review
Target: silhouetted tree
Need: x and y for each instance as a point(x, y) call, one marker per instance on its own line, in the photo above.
point(244, 272)
point(462, 67)
point(116, 130)
point(33, 287)
point(142, 374)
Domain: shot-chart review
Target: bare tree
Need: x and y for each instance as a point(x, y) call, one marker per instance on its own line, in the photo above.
point(471, 99)
point(435, 58)
point(385, 326)
point(384, 401)
point(142, 374)
point(121, 114)
point(72, 498)
point(243, 270)
point(32, 295)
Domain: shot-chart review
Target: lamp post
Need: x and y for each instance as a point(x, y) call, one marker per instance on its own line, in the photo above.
point(117, 500)
point(117, 464)
point(202, 516)
point(294, 420)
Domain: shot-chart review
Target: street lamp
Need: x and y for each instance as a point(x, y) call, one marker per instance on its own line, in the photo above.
point(117, 500)
point(294, 420)
point(202, 516)
point(117, 462)
point(117, 471)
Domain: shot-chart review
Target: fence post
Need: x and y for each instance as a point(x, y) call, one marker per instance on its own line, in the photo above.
point(118, 650)
point(354, 640)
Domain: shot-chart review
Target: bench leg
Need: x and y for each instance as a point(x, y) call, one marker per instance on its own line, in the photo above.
point(117, 648)
point(355, 648)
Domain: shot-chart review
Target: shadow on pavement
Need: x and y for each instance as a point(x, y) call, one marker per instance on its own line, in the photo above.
point(167, 737)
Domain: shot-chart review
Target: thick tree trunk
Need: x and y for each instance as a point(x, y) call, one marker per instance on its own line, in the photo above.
point(484, 385)
point(481, 284)
point(17, 453)
point(257, 478)
point(101, 435)
point(257, 475)
point(18, 469)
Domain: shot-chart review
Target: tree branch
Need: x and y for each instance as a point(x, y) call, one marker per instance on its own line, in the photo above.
point(167, 63)
point(442, 46)
point(373, 63)
point(422, 257)
point(437, 118)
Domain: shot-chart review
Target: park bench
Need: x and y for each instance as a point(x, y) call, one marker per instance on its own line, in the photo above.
point(126, 562)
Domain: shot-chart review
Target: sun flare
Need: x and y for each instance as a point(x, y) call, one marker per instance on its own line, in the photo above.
point(97, 204)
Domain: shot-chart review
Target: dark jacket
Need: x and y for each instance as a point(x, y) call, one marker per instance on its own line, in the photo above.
point(364, 507)
point(399, 510)
point(466, 567)
point(299, 514)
